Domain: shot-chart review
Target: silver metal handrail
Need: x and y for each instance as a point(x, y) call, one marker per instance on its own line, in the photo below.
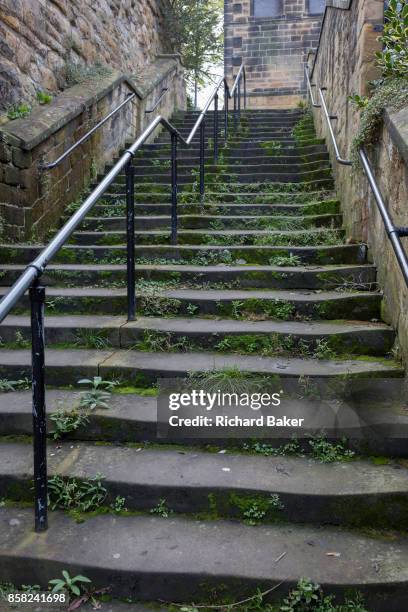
point(393, 232)
point(163, 93)
point(88, 134)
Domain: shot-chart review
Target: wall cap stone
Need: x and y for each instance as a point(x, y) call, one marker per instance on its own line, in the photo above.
point(45, 120)
point(397, 124)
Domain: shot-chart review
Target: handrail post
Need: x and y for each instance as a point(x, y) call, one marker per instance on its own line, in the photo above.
point(239, 100)
point(37, 300)
point(174, 188)
point(225, 113)
point(202, 159)
point(235, 110)
point(216, 128)
point(130, 234)
point(245, 90)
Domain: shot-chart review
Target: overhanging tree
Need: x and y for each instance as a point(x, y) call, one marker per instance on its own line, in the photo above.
point(196, 28)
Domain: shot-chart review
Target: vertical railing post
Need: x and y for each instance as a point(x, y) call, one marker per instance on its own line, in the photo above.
point(130, 234)
point(225, 113)
point(37, 301)
point(239, 99)
point(235, 110)
point(174, 189)
point(245, 90)
point(216, 128)
point(202, 159)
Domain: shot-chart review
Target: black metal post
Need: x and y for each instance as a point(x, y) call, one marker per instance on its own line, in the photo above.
point(239, 100)
point(202, 159)
point(37, 300)
point(225, 113)
point(216, 128)
point(235, 110)
point(130, 232)
point(174, 189)
point(245, 91)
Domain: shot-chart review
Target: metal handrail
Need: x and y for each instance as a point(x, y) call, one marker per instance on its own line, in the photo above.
point(394, 233)
point(163, 93)
point(309, 87)
point(87, 135)
point(30, 277)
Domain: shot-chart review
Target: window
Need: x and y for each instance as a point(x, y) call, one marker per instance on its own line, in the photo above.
point(267, 8)
point(316, 7)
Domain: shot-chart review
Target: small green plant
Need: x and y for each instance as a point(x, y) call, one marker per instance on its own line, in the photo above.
point(67, 421)
point(359, 101)
point(323, 350)
point(98, 395)
point(161, 509)
point(20, 341)
point(18, 111)
point(309, 597)
point(192, 309)
point(14, 385)
point(66, 583)
point(285, 260)
point(43, 97)
point(291, 448)
point(272, 147)
point(119, 504)
point(90, 338)
point(393, 59)
point(161, 164)
point(74, 494)
point(329, 452)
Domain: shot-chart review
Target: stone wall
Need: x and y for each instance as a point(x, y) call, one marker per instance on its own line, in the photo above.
point(274, 50)
point(40, 41)
point(345, 63)
point(32, 199)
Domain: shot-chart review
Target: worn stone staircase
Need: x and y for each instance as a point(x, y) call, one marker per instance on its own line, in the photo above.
point(263, 280)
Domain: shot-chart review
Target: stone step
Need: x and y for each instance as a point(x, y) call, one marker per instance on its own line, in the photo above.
point(355, 493)
point(221, 237)
point(207, 221)
point(358, 305)
point(253, 153)
point(117, 209)
point(195, 254)
point(67, 366)
point(249, 146)
point(188, 557)
point(381, 428)
point(349, 277)
point(223, 335)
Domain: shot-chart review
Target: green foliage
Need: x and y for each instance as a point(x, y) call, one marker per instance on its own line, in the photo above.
point(197, 33)
point(291, 448)
point(6, 385)
point(309, 597)
point(285, 260)
point(18, 111)
point(43, 97)
point(393, 59)
point(328, 452)
point(118, 505)
point(359, 101)
point(272, 147)
point(227, 380)
point(67, 421)
point(90, 338)
point(74, 494)
point(66, 583)
point(99, 393)
point(323, 350)
point(155, 341)
point(161, 509)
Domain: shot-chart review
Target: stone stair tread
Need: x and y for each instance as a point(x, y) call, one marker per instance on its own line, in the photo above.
point(103, 361)
point(201, 325)
point(209, 232)
point(182, 554)
point(173, 267)
point(157, 468)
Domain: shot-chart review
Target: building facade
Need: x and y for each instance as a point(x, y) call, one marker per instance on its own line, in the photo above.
point(273, 38)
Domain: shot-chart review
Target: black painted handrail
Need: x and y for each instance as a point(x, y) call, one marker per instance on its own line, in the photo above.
point(29, 279)
point(394, 233)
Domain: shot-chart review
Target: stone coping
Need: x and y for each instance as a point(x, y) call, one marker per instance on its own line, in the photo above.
point(45, 120)
point(397, 124)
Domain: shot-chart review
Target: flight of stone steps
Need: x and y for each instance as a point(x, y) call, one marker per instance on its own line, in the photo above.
point(262, 281)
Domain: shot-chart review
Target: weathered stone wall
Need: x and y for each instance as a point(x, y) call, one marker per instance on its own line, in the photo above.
point(32, 199)
point(41, 39)
point(274, 49)
point(345, 63)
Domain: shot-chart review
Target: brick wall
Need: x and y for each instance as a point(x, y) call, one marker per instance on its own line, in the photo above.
point(32, 200)
point(40, 39)
point(274, 50)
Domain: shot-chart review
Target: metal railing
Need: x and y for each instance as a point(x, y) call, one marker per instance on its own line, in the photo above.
point(29, 280)
point(394, 233)
point(160, 98)
point(86, 136)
